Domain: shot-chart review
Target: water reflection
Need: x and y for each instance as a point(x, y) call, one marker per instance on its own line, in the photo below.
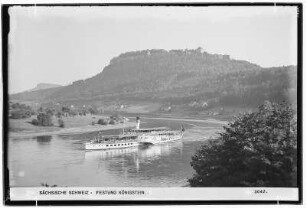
point(143, 152)
point(43, 140)
point(152, 152)
point(105, 154)
point(141, 161)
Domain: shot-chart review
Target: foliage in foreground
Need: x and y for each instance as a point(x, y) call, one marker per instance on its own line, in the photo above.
point(257, 149)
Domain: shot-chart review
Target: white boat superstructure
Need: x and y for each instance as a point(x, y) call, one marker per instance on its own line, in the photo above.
point(112, 142)
point(160, 137)
point(155, 135)
point(146, 130)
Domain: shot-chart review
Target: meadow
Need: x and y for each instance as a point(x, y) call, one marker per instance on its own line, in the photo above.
point(73, 125)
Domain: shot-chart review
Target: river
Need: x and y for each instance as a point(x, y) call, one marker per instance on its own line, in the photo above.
point(62, 160)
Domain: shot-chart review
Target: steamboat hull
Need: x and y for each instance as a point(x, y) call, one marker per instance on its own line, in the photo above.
point(104, 146)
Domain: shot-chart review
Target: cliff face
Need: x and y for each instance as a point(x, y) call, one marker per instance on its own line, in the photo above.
point(180, 76)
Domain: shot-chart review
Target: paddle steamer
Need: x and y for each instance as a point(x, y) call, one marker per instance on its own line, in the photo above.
point(135, 137)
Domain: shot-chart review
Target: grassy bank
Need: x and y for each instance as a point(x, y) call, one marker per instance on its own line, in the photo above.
point(19, 128)
point(73, 125)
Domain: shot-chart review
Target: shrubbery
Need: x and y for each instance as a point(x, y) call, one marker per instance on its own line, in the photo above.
point(44, 119)
point(93, 110)
point(257, 149)
point(112, 122)
point(19, 111)
point(61, 123)
point(102, 122)
point(34, 122)
point(19, 114)
point(106, 122)
point(115, 117)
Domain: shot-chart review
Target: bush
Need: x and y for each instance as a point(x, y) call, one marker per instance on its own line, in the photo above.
point(115, 117)
point(44, 119)
point(102, 122)
point(257, 149)
point(59, 114)
point(112, 122)
point(49, 111)
point(93, 110)
point(19, 114)
point(73, 113)
point(34, 122)
point(61, 123)
point(19, 111)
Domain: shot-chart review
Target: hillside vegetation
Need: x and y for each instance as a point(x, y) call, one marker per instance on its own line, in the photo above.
point(189, 78)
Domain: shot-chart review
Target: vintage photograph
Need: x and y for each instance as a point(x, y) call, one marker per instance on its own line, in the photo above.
point(153, 96)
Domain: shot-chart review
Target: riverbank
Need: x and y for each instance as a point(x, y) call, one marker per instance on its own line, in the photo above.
point(71, 131)
point(20, 128)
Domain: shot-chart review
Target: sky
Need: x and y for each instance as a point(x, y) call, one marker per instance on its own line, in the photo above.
point(60, 45)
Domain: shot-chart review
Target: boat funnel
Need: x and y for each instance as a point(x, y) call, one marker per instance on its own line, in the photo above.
point(137, 122)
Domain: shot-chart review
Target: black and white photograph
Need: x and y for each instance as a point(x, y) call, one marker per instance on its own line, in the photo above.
point(153, 102)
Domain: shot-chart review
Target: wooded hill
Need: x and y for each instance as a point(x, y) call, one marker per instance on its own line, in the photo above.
point(180, 77)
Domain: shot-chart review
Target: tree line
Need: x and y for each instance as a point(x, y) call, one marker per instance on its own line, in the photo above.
point(44, 115)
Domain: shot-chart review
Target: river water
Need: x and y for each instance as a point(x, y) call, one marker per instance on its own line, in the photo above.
point(62, 160)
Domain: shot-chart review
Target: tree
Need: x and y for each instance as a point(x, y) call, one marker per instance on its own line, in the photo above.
point(65, 110)
point(34, 122)
point(61, 123)
point(257, 149)
point(112, 122)
point(102, 122)
point(59, 114)
point(49, 111)
point(115, 117)
point(44, 119)
point(40, 110)
point(20, 111)
point(19, 114)
point(93, 110)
